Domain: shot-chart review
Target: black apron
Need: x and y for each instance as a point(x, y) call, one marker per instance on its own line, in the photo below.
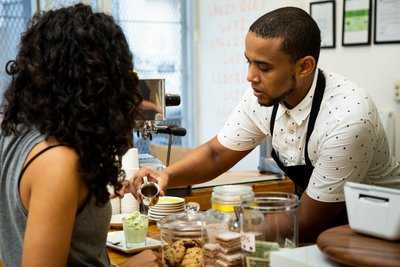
point(300, 174)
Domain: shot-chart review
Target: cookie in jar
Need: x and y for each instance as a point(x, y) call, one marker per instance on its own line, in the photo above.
point(184, 237)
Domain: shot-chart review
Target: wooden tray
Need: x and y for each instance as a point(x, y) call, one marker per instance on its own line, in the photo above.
point(343, 245)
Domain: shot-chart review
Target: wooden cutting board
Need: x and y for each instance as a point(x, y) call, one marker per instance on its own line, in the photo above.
point(343, 245)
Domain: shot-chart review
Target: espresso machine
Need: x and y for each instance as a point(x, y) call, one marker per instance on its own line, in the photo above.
point(153, 108)
point(153, 121)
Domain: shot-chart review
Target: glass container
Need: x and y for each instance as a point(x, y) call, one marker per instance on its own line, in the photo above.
point(268, 223)
point(135, 228)
point(183, 235)
point(224, 213)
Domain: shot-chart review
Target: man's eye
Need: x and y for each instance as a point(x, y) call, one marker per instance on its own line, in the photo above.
point(263, 67)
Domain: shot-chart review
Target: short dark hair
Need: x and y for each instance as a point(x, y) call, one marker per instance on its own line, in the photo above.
point(300, 33)
point(74, 81)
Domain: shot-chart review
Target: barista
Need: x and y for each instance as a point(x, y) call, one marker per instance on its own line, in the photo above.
point(325, 129)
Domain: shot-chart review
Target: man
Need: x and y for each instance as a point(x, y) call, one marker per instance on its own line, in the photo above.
point(325, 130)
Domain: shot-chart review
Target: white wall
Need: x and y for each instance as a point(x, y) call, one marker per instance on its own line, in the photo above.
point(375, 67)
point(221, 68)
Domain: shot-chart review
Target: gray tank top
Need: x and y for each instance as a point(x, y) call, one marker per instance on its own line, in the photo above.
point(88, 244)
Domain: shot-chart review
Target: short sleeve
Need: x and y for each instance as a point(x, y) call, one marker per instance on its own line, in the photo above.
point(241, 131)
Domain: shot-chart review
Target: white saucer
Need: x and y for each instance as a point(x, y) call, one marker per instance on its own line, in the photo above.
point(116, 240)
point(158, 212)
point(167, 207)
point(152, 216)
point(170, 201)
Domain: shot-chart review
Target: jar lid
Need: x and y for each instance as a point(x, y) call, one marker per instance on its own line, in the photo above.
point(233, 194)
point(273, 202)
point(189, 221)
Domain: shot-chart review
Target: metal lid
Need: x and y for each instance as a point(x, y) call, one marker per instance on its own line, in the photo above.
point(273, 202)
point(233, 194)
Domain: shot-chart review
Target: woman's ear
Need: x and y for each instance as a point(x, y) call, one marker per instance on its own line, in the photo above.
point(305, 66)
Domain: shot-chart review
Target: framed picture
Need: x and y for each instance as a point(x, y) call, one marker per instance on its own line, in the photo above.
point(387, 22)
point(324, 13)
point(356, 26)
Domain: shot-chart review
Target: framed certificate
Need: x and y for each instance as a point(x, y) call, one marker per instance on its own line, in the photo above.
point(324, 13)
point(356, 25)
point(387, 21)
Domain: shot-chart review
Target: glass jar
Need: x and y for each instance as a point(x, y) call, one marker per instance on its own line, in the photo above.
point(224, 215)
point(268, 223)
point(183, 235)
point(222, 225)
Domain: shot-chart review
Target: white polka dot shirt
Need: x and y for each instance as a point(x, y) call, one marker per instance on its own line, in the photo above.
point(348, 142)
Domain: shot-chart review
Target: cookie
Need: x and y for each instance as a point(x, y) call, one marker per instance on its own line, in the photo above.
point(169, 256)
point(193, 258)
point(194, 250)
point(179, 251)
point(185, 253)
point(189, 243)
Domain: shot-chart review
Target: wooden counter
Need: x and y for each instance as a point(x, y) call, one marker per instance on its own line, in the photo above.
point(202, 194)
point(259, 182)
point(203, 197)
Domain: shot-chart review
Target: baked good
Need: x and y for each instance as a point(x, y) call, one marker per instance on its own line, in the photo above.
point(193, 258)
point(184, 253)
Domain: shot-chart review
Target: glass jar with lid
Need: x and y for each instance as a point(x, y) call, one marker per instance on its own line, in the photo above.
point(223, 215)
point(183, 235)
point(222, 225)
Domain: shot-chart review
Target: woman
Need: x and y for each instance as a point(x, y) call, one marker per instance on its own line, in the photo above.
point(68, 118)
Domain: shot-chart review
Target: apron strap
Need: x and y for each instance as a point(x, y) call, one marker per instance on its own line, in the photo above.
point(316, 104)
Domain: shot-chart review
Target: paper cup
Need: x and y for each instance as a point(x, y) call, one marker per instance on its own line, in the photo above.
point(129, 204)
point(116, 205)
point(130, 160)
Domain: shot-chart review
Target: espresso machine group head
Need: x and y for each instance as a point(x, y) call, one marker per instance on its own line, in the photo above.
point(153, 108)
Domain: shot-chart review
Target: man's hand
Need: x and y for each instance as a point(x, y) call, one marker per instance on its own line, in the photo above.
point(161, 178)
point(145, 258)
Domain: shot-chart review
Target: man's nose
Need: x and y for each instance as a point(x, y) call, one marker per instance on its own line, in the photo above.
point(252, 74)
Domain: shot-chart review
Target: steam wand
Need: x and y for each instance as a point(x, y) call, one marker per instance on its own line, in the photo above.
point(171, 130)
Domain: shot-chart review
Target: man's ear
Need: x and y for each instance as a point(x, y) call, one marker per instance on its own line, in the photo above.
point(305, 66)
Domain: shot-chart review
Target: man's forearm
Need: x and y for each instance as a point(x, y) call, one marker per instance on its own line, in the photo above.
point(198, 166)
point(203, 164)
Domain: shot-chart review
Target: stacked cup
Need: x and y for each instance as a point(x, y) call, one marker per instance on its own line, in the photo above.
point(130, 164)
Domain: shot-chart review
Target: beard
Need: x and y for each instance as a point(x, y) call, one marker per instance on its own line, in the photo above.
point(280, 98)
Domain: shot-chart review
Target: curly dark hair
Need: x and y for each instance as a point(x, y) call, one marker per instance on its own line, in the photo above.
point(74, 81)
